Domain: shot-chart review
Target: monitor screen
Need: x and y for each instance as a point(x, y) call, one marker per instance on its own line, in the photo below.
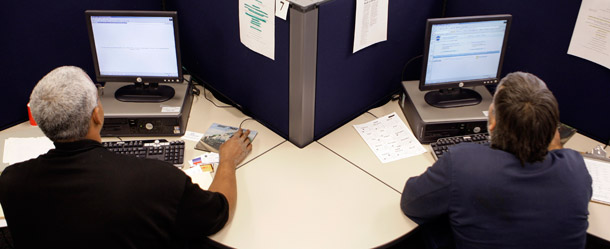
point(464, 51)
point(135, 46)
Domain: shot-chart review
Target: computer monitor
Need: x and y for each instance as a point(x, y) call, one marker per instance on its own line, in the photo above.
point(136, 46)
point(461, 52)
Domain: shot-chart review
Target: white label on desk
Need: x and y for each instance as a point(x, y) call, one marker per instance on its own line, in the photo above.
point(192, 136)
point(281, 8)
point(170, 109)
point(389, 138)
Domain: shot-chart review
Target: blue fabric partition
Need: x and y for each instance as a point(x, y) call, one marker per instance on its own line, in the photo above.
point(41, 35)
point(347, 83)
point(538, 43)
point(212, 51)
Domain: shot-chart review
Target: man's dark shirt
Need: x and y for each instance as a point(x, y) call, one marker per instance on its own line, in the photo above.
point(492, 201)
point(81, 195)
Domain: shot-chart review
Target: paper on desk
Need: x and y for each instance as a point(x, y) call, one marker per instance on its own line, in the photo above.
point(389, 138)
point(203, 179)
point(257, 26)
point(600, 173)
point(591, 36)
point(193, 136)
point(17, 149)
point(371, 23)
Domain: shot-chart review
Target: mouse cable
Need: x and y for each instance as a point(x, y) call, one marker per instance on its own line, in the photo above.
point(372, 114)
point(402, 75)
point(243, 121)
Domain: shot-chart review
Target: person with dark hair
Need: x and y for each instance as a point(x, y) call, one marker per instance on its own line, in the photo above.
point(81, 195)
point(523, 191)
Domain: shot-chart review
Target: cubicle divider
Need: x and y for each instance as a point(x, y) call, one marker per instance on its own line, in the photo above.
point(212, 51)
point(348, 84)
point(538, 43)
point(42, 35)
point(303, 102)
point(315, 84)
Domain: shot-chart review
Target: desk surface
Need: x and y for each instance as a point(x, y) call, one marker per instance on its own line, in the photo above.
point(334, 193)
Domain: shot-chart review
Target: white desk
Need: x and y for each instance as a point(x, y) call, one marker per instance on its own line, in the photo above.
point(313, 198)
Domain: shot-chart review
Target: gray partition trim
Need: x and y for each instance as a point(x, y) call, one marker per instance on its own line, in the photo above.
point(302, 75)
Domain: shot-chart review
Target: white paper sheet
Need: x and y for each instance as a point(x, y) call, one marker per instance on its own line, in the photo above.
point(22, 149)
point(203, 179)
point(257, 26)
point(591, 37)
point(193, 136)
point(389, 138)
point(371, 23)
point(600, 173)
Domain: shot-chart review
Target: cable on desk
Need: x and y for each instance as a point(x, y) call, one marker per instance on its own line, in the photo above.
point(359, 167)
point(242, 122)
point(372, 114)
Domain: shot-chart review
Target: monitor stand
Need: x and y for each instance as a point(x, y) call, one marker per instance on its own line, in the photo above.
point(148, 119)
point(144, 92)
point(430, 123)
point(453, 97)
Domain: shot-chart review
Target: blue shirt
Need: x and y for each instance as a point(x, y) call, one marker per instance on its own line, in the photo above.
point(492, 201)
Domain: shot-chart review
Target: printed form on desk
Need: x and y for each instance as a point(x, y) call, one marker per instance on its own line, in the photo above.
point(599, 169)
point(389, 138)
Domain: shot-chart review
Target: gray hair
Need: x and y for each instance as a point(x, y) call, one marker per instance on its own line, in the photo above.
point(62, 103)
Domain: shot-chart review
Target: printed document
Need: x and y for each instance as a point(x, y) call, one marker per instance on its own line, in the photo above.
point(257, 26)
point(389, 138)
point(371, 23)
point(600, 173)
point(591, 37)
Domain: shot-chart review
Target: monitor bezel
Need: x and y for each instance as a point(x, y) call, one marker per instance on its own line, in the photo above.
point(465, 83)
point(134, 78)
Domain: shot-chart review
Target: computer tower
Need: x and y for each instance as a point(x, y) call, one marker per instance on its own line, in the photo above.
point(430, 123)
point(168, 118)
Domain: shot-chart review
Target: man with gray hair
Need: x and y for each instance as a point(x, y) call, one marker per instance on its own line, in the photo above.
point(80, 195)
point(523, 191)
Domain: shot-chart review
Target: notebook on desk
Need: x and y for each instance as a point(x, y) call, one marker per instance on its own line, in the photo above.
point(599, 169)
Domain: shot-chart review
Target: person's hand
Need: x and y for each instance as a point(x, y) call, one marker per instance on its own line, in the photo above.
point(234, 150)
point(556, 142)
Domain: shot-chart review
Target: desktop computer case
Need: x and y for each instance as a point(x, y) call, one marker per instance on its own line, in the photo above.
point(430, 123)
point(168, 118)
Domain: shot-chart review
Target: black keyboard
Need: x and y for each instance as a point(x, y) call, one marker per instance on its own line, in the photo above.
point(161, 149)
point(442, 145)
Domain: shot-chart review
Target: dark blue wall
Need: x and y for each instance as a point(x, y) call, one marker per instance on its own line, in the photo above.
point(538, 43)
point(39, 36)
point(42, 35)
point(212, 51)
point(349, 84)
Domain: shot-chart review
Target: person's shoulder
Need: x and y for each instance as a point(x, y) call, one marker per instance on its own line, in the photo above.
point(566, 154)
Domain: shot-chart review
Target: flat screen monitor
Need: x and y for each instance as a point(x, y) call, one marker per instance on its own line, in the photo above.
point(461, 52)
point(136, 46)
